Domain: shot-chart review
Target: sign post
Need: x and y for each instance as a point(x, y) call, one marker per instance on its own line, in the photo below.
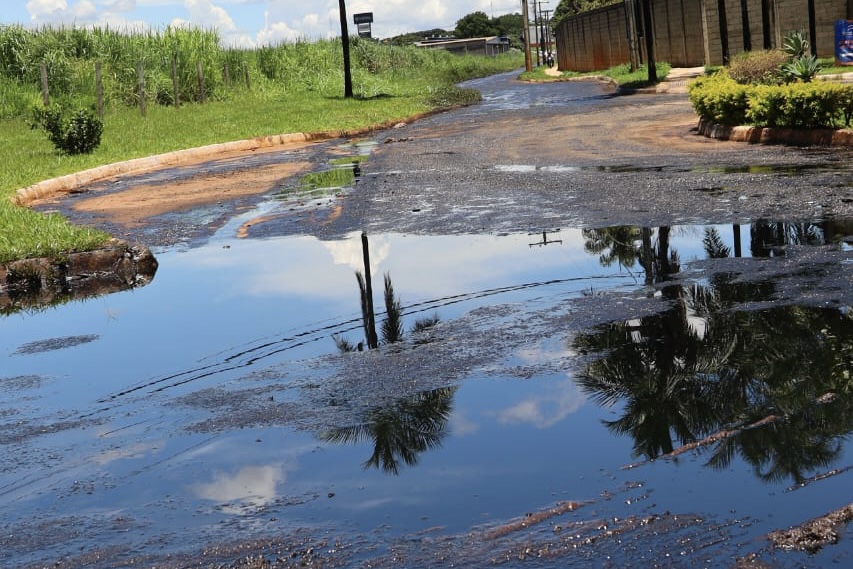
point(844, 42)
point(362, 22)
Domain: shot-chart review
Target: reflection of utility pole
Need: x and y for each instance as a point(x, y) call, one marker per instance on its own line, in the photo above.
point(736, 237)
point(370, 322)
point(525, 16)
point(545, 241)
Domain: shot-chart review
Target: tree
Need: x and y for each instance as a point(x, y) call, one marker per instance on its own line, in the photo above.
point(475, 25)
point(568, 8)
point(345, 42)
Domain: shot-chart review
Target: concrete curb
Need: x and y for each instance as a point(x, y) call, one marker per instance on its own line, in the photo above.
point(791, 136)
point(70, 182)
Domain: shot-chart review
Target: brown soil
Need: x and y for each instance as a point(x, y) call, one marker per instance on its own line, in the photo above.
point(134, 206)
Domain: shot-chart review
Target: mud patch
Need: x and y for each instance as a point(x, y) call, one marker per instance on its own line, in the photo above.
point(53, 344)
point(814, 534)
point(136, 206)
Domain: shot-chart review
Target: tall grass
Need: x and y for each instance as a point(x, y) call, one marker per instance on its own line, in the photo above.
point(294, 87)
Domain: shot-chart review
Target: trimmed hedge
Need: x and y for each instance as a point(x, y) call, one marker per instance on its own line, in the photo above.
point(799, 105)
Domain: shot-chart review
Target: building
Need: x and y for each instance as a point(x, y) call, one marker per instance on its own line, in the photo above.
point(469, 46)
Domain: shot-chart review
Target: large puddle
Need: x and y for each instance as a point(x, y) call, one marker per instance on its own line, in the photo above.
point(642, 396)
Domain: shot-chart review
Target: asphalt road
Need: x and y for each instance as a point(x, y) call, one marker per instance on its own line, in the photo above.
point(533, 157)
point(530, 157)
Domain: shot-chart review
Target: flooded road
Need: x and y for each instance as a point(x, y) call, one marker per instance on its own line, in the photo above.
point(583, 379)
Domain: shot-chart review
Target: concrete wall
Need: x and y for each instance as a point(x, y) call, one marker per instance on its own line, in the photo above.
point(782, 17)
point(593, 40)
point(690, 33)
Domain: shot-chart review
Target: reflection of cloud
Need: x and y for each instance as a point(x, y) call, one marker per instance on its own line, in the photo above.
point(349, 251)
point(461, 425)
point(421, 267)
point(138, 450)
point(547, 408)
point(251, 485)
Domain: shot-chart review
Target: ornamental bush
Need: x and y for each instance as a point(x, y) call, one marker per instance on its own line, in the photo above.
point(799, 105)
point(758, 67)
point(78, 134)
point(719, 98)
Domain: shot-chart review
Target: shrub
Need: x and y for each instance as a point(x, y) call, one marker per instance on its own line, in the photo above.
point(844, 103)
point(803, 69)
point(795, 44)
point(809, 106)
point(78, 134)
point(765, 106)
point(758, 67)
point(719, 99)
point(798, 105)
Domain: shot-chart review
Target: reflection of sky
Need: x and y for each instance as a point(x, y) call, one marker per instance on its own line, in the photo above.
point(422, 267)
point(555, 400)
point(547, 408)
point(208, 303)
point(249, 486)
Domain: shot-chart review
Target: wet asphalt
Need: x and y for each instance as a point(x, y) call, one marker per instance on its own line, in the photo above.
point(530, 157)
point(534, 157)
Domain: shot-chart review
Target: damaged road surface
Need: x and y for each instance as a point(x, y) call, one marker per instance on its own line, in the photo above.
point(603, 341)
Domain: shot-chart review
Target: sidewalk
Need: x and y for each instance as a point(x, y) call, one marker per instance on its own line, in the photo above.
point(678, 78)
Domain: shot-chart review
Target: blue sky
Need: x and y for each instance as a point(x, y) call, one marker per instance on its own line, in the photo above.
point(249, 23)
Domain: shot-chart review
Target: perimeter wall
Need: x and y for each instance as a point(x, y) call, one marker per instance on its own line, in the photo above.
point(691, 33)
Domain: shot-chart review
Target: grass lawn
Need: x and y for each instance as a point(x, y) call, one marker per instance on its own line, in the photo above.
point(29, 156)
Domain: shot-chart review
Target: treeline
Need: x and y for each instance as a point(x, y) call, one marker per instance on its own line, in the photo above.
point(187, 65)
point(473, 25)
point(568, 8)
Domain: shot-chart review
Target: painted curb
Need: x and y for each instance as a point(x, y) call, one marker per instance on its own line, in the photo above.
point(791, 136)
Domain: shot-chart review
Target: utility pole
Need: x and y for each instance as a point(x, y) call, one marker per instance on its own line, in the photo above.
point(536, 29)
point(345, 42)
point(525, 16)
point(650, 41)
point(539, 15)
point(546, 28)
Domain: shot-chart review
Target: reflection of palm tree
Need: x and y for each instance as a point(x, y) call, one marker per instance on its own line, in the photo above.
point(402, 430)
point(655, 366)
point(627, 245)
point(613, 245)
point(735, 370)
point(769, 239)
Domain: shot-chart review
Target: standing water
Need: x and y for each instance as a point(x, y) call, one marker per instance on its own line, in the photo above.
point(622, 394)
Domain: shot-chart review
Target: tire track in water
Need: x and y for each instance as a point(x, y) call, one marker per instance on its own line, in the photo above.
point(255, 353)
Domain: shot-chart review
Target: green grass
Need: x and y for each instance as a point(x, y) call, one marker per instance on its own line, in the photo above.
point(25, 233)
point(540, 74)
point(294, 88)
point(828, 67)
point(624, 77)
point(621, 75)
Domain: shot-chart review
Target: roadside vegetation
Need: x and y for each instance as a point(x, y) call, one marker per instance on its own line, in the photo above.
point(774, 88)
point(193, 93)
point(622, 75)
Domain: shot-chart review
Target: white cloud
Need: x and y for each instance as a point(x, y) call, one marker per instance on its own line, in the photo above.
point(205, 14)
point(253, 486)
point(58, 11)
